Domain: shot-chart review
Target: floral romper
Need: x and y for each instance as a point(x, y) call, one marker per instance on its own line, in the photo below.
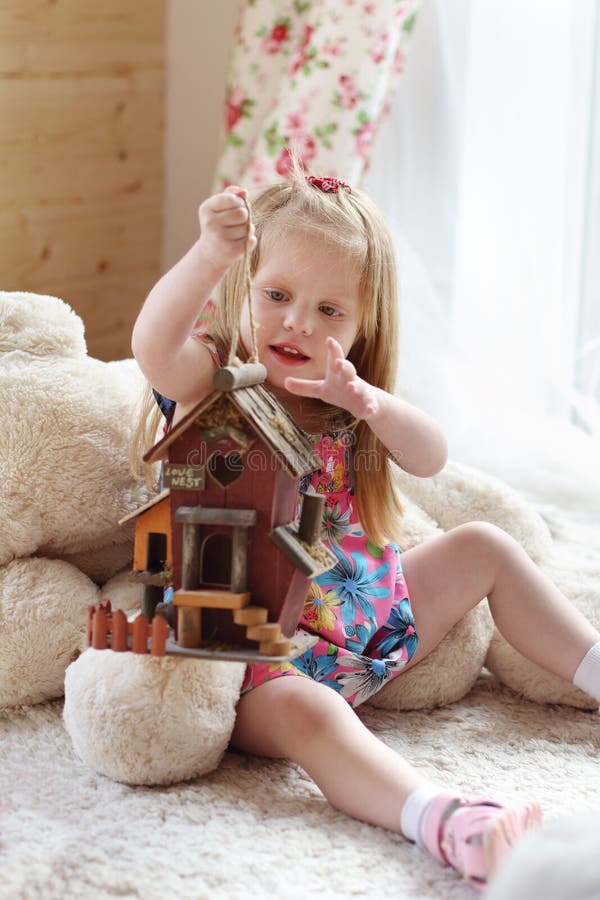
point(360, 609)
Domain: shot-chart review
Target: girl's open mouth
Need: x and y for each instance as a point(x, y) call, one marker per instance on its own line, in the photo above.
point(288, 354)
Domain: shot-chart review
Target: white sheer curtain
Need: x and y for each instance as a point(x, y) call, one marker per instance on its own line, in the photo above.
point(486, 171)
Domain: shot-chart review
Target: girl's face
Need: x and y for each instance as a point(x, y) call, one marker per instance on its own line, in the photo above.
point(304, 290)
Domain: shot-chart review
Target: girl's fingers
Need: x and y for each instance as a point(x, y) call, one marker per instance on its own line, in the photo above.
point(223, 202)
point(303, 387)
point(334, 348)
point(234, 189)
point(236, 233)
point(238, 215)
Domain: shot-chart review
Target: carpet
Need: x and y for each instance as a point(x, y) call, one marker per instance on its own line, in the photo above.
point(259, 828)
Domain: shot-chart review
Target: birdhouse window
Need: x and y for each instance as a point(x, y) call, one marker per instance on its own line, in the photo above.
point(215, 560)
point(225, 468)
point(157, 551)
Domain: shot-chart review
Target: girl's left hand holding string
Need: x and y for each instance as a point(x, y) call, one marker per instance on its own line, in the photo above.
point(340, 386)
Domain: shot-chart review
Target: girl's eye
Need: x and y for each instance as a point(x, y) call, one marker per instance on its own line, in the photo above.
point(330, 310)
point(277, 296)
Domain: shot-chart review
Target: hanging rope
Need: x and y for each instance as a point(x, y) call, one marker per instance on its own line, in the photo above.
point(247, 288)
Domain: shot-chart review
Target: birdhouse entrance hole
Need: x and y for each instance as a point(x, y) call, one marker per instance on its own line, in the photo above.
point(225, 468)
point(215, 560)
point(157, 551)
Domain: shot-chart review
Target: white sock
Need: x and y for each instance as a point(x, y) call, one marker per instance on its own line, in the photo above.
point(413, 812)
point(587, 676)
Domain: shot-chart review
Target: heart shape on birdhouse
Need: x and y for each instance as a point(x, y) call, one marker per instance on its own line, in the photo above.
point(225, 468)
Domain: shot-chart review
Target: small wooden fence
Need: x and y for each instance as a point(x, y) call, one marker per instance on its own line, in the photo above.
point(102, 622)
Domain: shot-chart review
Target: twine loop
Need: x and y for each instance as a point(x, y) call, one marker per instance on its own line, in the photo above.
point(247, 288)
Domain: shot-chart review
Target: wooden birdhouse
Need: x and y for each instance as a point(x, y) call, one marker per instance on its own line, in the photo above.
point(225, 531)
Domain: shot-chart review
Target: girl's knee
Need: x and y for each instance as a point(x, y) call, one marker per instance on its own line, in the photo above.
point(484, 535)
point(485, 539)
point(307, 707)
point(275, 717)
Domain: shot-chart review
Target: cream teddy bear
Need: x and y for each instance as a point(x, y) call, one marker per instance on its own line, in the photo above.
point(65, 431)
point(66, 484)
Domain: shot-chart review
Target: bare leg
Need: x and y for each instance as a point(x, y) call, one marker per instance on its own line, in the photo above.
point(448, 575)
point(306, 722)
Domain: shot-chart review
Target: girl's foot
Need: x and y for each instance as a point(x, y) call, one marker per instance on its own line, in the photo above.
point(473, 835)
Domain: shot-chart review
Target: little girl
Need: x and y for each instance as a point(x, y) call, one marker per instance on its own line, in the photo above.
point(325, 315)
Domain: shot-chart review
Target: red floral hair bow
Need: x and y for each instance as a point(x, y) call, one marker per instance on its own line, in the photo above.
point(328, 185)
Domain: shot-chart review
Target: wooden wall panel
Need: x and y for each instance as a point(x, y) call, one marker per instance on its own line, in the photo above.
point(81, 157)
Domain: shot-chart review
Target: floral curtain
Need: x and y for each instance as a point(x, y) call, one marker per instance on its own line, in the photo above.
point(312, 76)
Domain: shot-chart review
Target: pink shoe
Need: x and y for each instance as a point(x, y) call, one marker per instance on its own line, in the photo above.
point(473, 834)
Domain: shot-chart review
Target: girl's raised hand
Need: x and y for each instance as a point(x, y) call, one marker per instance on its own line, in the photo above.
point(224, 226)
point(341, 386)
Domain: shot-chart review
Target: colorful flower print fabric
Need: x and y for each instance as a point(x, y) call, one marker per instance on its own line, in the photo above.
point(312, 76)
point(360, 609)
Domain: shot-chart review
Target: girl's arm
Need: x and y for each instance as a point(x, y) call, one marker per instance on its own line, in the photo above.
point(415, 440)
point(174, 363)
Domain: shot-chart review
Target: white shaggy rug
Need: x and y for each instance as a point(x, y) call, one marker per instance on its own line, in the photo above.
point(261, 829)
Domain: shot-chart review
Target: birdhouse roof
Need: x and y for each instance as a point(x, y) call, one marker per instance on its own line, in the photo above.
point(141, 509)
point(265, 416)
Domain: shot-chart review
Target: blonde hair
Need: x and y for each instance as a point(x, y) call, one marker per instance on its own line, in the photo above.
point(148, 420)
point(351, 222)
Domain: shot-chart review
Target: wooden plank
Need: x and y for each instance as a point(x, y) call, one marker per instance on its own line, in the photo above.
point(184, 478)
point(282, 647)
point(140, 634)
point(39, 243)
point(90, 625)
point(189, 627)
point(144, 577)
point(309, 527)
point(99, 629)
point(159, 634)
point(120, 631)
point(293, 604)
point(211, 599)
point(83, 261)
point(202, 515)
point(280, 432)
point(251, 615)
point(81, 105)
point(286, 538)
point(269, 632)
point(233, 654)
point(99, 129)
point(190, 553)
point(239, 558)
point(68, 37)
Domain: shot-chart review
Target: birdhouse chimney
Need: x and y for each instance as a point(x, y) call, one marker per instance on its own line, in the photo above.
point(228, 378)
point(309, 527)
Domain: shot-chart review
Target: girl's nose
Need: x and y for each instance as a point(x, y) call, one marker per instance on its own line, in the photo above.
point(297, 321)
